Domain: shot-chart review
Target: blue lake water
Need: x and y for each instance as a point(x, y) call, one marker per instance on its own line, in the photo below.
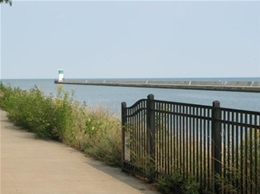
point(111, 97)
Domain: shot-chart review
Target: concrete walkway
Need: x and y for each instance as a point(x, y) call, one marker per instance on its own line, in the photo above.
point(32, 166)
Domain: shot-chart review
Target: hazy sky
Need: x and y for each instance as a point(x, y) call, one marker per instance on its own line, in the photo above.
point(130, 39)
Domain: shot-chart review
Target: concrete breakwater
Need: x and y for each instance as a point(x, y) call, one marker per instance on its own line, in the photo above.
point(238, 86)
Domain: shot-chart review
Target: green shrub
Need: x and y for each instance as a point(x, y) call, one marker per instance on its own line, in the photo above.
point(175, 183)
point(94, 131)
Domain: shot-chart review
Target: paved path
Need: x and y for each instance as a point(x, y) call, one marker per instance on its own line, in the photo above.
point(31, 166)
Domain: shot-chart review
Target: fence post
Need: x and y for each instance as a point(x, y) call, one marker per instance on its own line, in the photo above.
point(124, 121)
point(216, 143)
point(151, 135)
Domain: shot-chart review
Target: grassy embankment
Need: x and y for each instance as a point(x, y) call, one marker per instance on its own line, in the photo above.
point(93, 131)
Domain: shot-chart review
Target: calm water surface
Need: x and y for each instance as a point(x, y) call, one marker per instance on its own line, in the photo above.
point(111, 97)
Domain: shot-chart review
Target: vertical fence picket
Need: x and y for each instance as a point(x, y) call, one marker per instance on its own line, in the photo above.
point(216, 143)
point(151, 134)
point(123, 119)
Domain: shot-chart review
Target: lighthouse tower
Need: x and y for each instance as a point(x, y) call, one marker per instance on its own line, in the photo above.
point(61, 75)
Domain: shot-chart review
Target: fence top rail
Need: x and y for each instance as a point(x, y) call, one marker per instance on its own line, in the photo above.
point(137, 102)
point(184, 104)
point(195, 105)
point(240, 111)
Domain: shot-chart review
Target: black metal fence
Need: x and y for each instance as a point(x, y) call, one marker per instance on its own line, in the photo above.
point(218, 147)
